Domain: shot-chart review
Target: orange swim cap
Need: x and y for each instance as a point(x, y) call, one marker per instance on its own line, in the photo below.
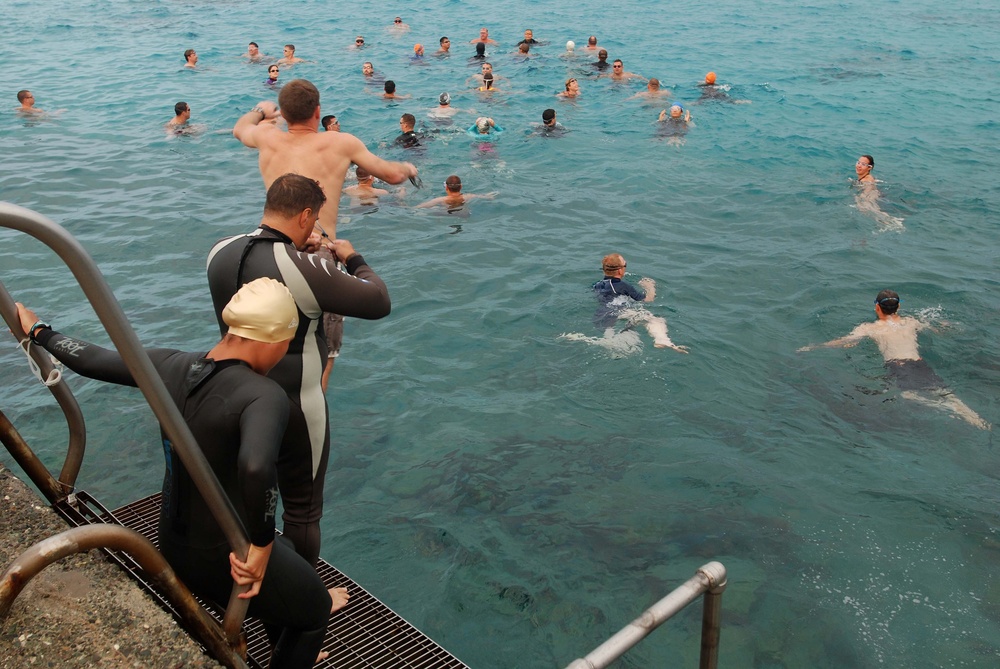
point(710, 78)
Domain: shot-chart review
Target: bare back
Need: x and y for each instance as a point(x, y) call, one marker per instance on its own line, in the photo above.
point(896, 337)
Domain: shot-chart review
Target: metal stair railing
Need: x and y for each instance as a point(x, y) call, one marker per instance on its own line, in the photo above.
point(709, 581)
point(102, 299)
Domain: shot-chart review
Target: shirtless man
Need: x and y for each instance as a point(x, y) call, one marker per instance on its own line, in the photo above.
point(444, 110)
point(364, 193)
point(398, 26)
point(368, 70)
point(454, 199)
point(896, 337)
point(324, 157)
point(190, 59)
point(618, 72)
point(289, 57)
point(389, 91)
point(253, 53)
point(445, 49)
point(182, 115)
point(484, 38)
point(27, 101)
point(653, 91)
point(591, 43)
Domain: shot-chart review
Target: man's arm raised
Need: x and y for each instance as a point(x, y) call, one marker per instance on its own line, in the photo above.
point(387, 170)
point(248, 125)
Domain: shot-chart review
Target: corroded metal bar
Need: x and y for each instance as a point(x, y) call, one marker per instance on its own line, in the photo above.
point(125, 340)
point(82, 539)
point(64, 396)
point(29, 462)
point(710, 577)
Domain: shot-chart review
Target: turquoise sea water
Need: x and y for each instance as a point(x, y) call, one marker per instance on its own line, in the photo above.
point(518, 496)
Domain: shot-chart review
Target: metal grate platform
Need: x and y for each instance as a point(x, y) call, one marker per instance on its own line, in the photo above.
point(366, 634)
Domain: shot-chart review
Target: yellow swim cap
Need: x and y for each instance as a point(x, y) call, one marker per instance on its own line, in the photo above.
point(262, 310)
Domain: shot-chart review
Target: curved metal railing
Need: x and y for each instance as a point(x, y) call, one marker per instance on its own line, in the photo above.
point(102, 299)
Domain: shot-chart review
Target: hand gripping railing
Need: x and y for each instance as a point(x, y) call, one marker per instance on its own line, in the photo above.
point(54, 490)
point(710, 579)
point(125, 340)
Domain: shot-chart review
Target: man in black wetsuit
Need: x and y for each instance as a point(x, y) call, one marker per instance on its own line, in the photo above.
point(237, 416)
point(408, 139)
point(277, 249)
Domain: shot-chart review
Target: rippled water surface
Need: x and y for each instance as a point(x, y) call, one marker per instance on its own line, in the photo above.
point(519, 496)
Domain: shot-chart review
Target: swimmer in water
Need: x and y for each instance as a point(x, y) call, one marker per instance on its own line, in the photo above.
point(592, 45)
point(27, 100)
point(289, 57)
point(713, 92)
point(653, 92)
point(572, 89)
point(398, 26)
point(480, 53)
point(896, 338)
point(359, 42)
point(180, 122)
point(408, 139)
point(364, 193)
point(602, 60)
point(445, 49)
point(570, 49)
point(444, 110)
point(868, 195)
point(272, 76)
point(253, 53)
point(675, 124)
point(529, 39)
point(618, 72)
point(454, 199)
point(617, 300)
point(484, 38)
point(487, 86)
point(418, 55)
point(190, 59)
point(389, 91)
point(550, 127)
point(330, 123)
point(487, 68)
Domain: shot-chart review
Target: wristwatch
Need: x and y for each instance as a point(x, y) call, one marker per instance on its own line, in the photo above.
point(37, 326)
point(263, 114)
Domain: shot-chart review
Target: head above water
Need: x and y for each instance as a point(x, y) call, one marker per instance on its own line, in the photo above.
point(180, 108)
point(710, 78)
point(612, 263)
point(418, 49)
point(654, 84)
point(330, 122)
point(291, 194)
point(298, 100)
point(362, 174)
point(602, 55)
point(676, 110)
point(444, 99)
point(549, 116)
point(592, 40)
point(389, 86)
point(190, 55)
point(570, 45)
point(407, 121)
point(262, 310)
point(482, 124)
point(888, 301)
point(480, 49)
point(453, 184)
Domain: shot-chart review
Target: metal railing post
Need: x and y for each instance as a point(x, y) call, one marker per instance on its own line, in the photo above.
point(125, 340)
point(64, 396)
point(82, 539)
point(710, 577)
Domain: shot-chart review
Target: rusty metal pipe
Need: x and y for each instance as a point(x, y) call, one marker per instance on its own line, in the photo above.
point(64, 396)
point(125, 340)
point(82, 539)
point(710, 577)
point(29, 462)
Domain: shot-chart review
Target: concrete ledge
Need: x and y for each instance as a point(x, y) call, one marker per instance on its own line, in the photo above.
point(82, 611)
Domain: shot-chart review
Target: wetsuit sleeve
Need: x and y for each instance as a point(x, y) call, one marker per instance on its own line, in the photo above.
point(92, 361)
point(361, 294)
point(262, 425)
point(637, 294)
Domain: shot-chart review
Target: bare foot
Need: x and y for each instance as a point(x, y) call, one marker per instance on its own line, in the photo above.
point(322, 656)
point(339, 597)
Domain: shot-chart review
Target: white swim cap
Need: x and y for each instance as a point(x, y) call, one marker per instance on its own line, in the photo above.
point(570, 45)
point(444, 99)
point(483, 124)
point(262, 310)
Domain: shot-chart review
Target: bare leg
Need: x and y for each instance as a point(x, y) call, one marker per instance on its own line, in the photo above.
point(325, 379)
point(947, 401)
point(657, 328)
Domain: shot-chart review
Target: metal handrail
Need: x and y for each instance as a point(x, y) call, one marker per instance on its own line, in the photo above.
point(81, 539)
point(709, 580)
point(110, 313)
point(68, 404)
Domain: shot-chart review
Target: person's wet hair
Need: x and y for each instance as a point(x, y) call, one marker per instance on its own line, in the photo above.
point(327, 121)
point(290, 194)
point(442, 41)
point(389, 86)
point(602, 54)
point(592, 40)
point(290, 46)
point(480, 49)
point(254, 44)
point(298, 100)
point(453, 183)
point(569, 81)
point(871, 161)
point(408, 119)
point(654, 83)
point(180, 108)
point(488, 80)
point(888, 301)
point(361, 173)
point(188, 53)
point(22, 95)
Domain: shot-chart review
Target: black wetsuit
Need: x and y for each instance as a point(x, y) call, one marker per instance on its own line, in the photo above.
point(611, 293)
point(318, 286)
point(408, 140)
point(238, 418)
